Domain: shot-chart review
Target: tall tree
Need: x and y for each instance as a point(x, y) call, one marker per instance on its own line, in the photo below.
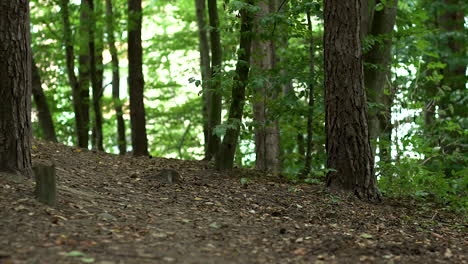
point(348, 145)
point(43, 112)
point(310, 111)
point(15, 88)
point(205, 67)
point(267, 140)
point(214, 94)
point(79, 85)
point(225, 155)
point(377, 74)
point(136, 81)
point(121, 141)
point(81, 95)
point(96, 71)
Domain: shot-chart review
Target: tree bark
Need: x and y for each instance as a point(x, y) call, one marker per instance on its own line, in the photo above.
point(121, 141)
point(285, 79)
point(68, 41)
point(310, 112)
point(81, 95)
point(81, 126)
point(367, 16)
point(15, 88)
point(96, 66)
point(349, 153)
point(43, 112)
point(377, 76)
point(267, 141)
point(136, 80)
point(301, 149)
point(205, 68)
point(214, 93)
point(225, 156)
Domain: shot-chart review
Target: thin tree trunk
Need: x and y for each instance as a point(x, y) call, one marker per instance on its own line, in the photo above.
point(225, 156)
point(367, 16)
point(310, 112)
point(43, 112)
point(81, 95)
point(95, 47)
point(214, 94)
point(267, 139)
point(301, 146)
point(205, 70)
point(385, 137)
point(285, 76)
point(348, 145)
point(68, 41)
point(377, 77)
point(81, 126)
point(135, 79)
point(282, 45)
point(15, 88)
point(121, 141)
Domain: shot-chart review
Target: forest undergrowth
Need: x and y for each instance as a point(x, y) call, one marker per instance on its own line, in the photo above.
point(111, 210)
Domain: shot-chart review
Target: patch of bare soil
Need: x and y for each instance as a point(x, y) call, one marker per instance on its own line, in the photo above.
point(112, 210)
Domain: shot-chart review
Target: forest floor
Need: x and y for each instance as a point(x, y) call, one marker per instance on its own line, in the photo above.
point(111, 211)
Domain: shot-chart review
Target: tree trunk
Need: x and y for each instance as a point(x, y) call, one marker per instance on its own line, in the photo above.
point(43, 111)
point(136, 80)
point(377, 76)
point(348, 147)
point(282, 45)
point(15, 88)
point(225, 156)
point(81, 129)
point(121, 141)
point(301, 150)
point(285, 78)
point(81, 95)
point(267, 141)
point(204, 48)
point(68, 41)
point(367, 16)
point(214, 94)
point(96, 49)
point(310, 112)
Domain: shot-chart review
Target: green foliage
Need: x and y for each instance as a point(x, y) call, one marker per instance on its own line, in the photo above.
point(427, 161)
point(410, 177)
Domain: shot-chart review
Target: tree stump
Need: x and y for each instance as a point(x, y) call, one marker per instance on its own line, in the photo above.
point(46, 189)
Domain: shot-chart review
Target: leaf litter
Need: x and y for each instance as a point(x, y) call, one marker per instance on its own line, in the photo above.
point(111, 210)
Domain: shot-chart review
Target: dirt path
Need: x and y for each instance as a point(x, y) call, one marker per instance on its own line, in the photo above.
point(110, 212)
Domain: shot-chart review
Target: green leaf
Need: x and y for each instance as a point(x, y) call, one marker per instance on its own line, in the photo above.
point(75, 253)
point(379, 7)
point(367, 236)
point(87, 260)
point(219, 130)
